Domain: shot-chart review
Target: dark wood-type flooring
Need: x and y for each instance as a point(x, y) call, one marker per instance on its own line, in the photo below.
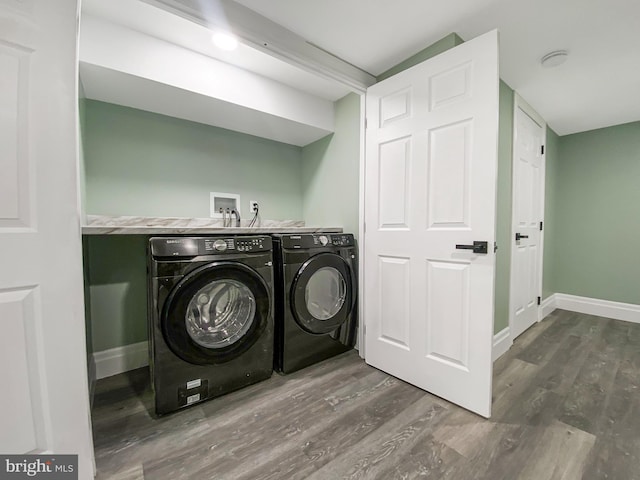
point(566, 406)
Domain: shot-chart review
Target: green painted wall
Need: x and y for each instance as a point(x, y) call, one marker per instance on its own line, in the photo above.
point(597, 223)
point(82, 180)
point(331, 171)
point(436, 48)
point(552, 161)
point(503, 213)
point(141, 163)
point(85, 251)
point(118, 289)
point(87, 296)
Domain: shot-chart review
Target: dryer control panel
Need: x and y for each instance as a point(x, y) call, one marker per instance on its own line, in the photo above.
point(194, 246)
point(317, 240)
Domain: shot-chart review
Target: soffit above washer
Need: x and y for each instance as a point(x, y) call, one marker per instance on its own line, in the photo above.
point(122, 66)
point(150, 20)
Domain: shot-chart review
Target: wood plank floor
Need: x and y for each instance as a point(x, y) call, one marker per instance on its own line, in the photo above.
point(566, 406)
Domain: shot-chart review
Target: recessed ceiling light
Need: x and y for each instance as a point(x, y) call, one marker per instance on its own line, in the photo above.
point(555, 58)
point(224, 41)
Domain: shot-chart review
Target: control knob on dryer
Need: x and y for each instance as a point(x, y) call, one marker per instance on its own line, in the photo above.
point(323, 240)
point(220, 245)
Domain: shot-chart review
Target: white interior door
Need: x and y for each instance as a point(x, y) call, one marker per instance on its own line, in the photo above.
point(431, 162)
point(528, 209)
point(44, 406)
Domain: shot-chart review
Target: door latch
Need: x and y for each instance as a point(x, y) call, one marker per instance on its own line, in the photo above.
point(519, 236)
point(477, 247)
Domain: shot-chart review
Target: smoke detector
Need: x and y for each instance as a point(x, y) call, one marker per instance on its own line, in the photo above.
point(555, 58)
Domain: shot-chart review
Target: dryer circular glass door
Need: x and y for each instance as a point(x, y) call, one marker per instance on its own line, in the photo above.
point(215, 313)
point(322, 293)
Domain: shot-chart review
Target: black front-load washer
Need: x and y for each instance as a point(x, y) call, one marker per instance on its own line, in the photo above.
point(315, 298)
point(210, 316)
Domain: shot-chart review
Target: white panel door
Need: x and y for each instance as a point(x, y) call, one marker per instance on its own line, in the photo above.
point(528, 207)
point(430, 185)
point(44, 404)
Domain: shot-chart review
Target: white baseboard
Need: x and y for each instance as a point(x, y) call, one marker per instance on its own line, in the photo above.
point(547, 306)
point(121, 359)
point(629, 312)
point(501, 343)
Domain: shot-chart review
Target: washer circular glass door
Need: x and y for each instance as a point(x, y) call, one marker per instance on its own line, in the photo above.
point(220, 313)
point(216, 313)
point(322, 293)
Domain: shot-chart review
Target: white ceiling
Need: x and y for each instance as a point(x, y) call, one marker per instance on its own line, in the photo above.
point(598, 86)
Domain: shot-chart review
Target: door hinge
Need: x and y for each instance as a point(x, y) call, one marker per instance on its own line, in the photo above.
point(542, 149)
point(541, 223)
point(366, 123)
point(539, 300)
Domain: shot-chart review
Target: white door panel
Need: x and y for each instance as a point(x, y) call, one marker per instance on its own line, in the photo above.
point(430, 177)
point(44, 406)
point(528, 201)
point(395, 326)
point(17, 313)
point(394, 166)
point(15, 194)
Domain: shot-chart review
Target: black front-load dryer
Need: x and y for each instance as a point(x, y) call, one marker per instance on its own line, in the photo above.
point(315, 298)
point(210, 316)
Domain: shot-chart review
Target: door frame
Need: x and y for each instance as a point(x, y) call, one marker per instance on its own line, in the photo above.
point(520, 104)
point(361, 227)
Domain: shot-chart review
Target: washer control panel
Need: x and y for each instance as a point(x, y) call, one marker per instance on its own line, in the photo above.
point(319, 240)
point(342, 240)
point(252, 244)
point(218, 245)
point(194, 246)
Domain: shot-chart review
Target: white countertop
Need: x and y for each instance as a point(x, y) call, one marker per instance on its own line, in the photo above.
point(130, 225)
